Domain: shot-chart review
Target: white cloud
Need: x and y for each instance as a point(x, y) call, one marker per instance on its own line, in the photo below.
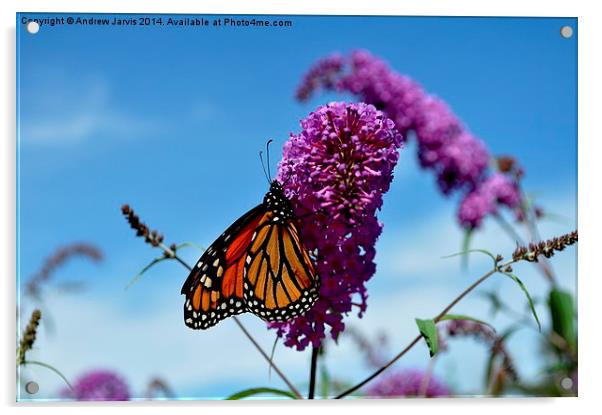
point(418, 249)
point(63, 112)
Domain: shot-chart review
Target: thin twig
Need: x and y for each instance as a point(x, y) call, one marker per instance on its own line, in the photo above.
point(315, 351)
point(169, 252)
point(470, 288)
point(419, 337)
point(508, 229)
point(530, 224)
point(267, 358)
point(543, 265)
point(494, 374)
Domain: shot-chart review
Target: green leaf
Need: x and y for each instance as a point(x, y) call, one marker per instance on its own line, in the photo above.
point(466, 247)
point(562, 311)
point(257, 391)
point(190, 244)
point(529, 299)
point(470, 251)
point(558, 367)
point(146, 268)
point(464, 317)
point(428, 331)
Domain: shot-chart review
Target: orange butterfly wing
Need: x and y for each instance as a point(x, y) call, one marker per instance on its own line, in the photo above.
point(258, 264)
point(280, 279)
point(214, 288)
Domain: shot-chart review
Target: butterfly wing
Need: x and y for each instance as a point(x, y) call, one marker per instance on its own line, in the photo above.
point(214, 288)
point(280, 280)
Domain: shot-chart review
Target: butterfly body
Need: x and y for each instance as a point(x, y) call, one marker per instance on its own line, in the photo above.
point(258, 264)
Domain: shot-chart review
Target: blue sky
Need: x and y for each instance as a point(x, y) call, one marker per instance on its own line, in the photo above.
point(171, 120)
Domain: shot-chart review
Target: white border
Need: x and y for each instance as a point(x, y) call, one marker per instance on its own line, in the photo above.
point(590, 34)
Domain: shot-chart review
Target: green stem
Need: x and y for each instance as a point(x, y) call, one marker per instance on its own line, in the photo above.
point(47, 366)
point(542, 264)
point(315, 351)
point(531, 225)
point(419, 337)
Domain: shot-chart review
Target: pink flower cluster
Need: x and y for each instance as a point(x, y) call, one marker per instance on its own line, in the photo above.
point(100, 385)
point(497, 190)
point(335, 173)
point(324, 73)
point(458, 159)
point(408, 383)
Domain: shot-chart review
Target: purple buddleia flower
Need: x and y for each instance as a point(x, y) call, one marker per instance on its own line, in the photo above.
point(457, 158)
point(372, 349)
point(322, 74)
point(408, 383)
point(372, 80)
point(474, 208)
point(496, 190)
point(461, 163)
point(335, 173)
point(99, 385)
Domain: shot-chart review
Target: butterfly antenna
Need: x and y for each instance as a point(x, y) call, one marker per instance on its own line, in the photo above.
point(263, 167)
point(267, 149)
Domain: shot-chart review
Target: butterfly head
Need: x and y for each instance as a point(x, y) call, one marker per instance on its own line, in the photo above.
point(276, 201)
point(276, 187)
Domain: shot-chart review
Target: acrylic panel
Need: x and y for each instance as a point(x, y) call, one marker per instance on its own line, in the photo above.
point(280, 207)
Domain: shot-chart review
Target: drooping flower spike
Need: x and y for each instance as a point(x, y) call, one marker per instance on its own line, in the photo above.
point(444, 145)
point(497, 190)
point(458, 159)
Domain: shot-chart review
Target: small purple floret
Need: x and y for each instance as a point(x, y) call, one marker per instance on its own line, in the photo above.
point(100, 385)
point(496, 190)
point(408, 383)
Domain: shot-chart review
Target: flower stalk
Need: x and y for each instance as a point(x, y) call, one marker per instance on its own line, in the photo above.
point(155, 239)
point(315, 352)
point(531, 254)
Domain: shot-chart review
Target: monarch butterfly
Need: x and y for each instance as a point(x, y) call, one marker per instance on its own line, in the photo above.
point(258, 264)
